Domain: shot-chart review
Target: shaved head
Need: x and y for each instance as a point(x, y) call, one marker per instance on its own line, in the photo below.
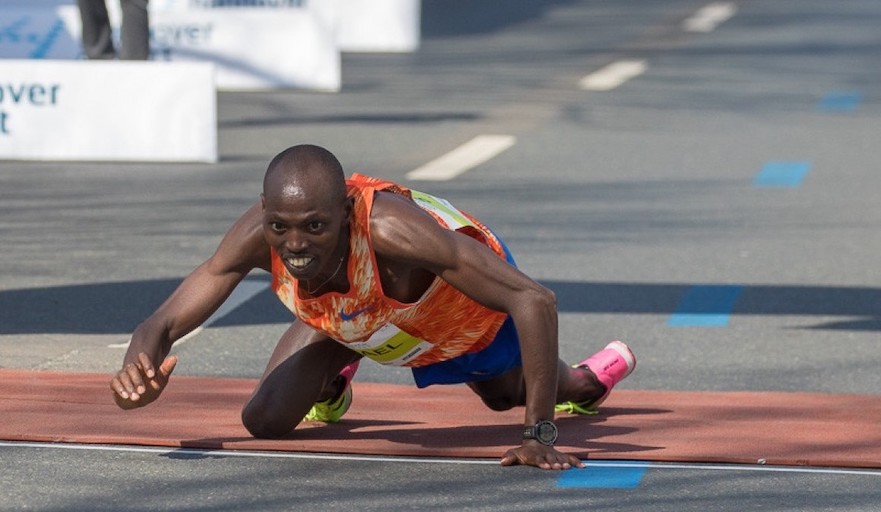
point(305, 169)
point(306, 212)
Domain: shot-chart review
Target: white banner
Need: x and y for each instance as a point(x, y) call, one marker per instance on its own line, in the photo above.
point(107, 111)
point(357, 25)
point(378, 25)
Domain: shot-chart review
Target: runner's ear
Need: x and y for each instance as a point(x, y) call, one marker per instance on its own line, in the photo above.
point(349, 207)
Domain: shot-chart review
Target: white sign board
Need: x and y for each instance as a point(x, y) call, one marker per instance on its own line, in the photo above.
point(253, 48)
point(378, 25)
point(356, 25)
point(107, 111)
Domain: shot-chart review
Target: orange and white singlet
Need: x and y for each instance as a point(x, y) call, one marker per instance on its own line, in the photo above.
point(441, 325)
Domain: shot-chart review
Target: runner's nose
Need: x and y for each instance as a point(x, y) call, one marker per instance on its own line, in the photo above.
point(295, 242)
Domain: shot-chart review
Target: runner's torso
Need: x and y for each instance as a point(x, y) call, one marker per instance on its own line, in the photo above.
point(442, 324)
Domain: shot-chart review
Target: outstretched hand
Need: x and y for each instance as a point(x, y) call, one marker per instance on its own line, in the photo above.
point(536, 454)
point(139, 384)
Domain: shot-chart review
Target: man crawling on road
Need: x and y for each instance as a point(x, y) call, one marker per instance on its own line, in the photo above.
point(370, 268)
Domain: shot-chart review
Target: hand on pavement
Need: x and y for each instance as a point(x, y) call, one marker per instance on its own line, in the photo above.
point(533, 453)
point(139, 384)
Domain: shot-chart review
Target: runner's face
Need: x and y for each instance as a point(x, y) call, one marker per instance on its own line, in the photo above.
point(304, 229)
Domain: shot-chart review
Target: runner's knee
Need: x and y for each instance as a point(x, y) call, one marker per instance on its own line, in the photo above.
point(500, 403)
point(263, 424)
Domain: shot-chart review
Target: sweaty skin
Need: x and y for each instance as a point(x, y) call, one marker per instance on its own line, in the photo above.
point(303, 214)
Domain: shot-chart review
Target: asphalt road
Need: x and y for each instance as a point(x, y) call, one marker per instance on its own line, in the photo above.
point(622, 201)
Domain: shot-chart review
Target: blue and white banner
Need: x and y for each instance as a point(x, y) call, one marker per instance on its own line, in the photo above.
point(253, 48)
point(36, 32)
point(255, 44)
point(107, 111)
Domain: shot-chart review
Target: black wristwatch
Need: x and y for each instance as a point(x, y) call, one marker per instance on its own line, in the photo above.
point(545, 432)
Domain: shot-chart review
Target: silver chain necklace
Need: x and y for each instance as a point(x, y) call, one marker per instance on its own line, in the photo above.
point(335, 272)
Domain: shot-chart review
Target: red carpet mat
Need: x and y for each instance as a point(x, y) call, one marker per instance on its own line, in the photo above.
point(449, 421)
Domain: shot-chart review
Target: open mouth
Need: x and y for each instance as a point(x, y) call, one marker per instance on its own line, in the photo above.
point(299, 266)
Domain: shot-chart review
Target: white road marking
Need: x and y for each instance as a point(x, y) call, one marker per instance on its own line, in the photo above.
point(613, 75)
point(707, 18)
point(467, 156)
point(735, 467)
point(241, 453)
point(244, 292)
point(432, 460)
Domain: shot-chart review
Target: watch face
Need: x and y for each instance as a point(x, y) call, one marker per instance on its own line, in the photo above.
point(546, 432)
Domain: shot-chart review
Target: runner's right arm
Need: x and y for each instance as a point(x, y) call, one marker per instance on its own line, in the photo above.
point(146, 367)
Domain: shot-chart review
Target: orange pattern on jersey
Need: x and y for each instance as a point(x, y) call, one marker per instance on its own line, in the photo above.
point(444, 323)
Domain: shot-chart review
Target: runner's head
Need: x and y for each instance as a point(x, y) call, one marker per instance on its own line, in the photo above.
point(306, 165)
point(306, 210)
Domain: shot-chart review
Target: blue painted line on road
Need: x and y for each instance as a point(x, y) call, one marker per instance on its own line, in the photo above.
point(603, 477)
point(782, 174)
point(705, 306)
point(840, 101)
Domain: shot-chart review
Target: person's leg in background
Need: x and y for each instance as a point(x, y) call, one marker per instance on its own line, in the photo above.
point(97, 37)
point(135, 32)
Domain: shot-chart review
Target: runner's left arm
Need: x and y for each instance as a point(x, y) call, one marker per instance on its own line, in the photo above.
point(402, 231)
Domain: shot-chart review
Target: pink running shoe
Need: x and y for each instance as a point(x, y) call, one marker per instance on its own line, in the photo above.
point(611, 365)
point(330, 411)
